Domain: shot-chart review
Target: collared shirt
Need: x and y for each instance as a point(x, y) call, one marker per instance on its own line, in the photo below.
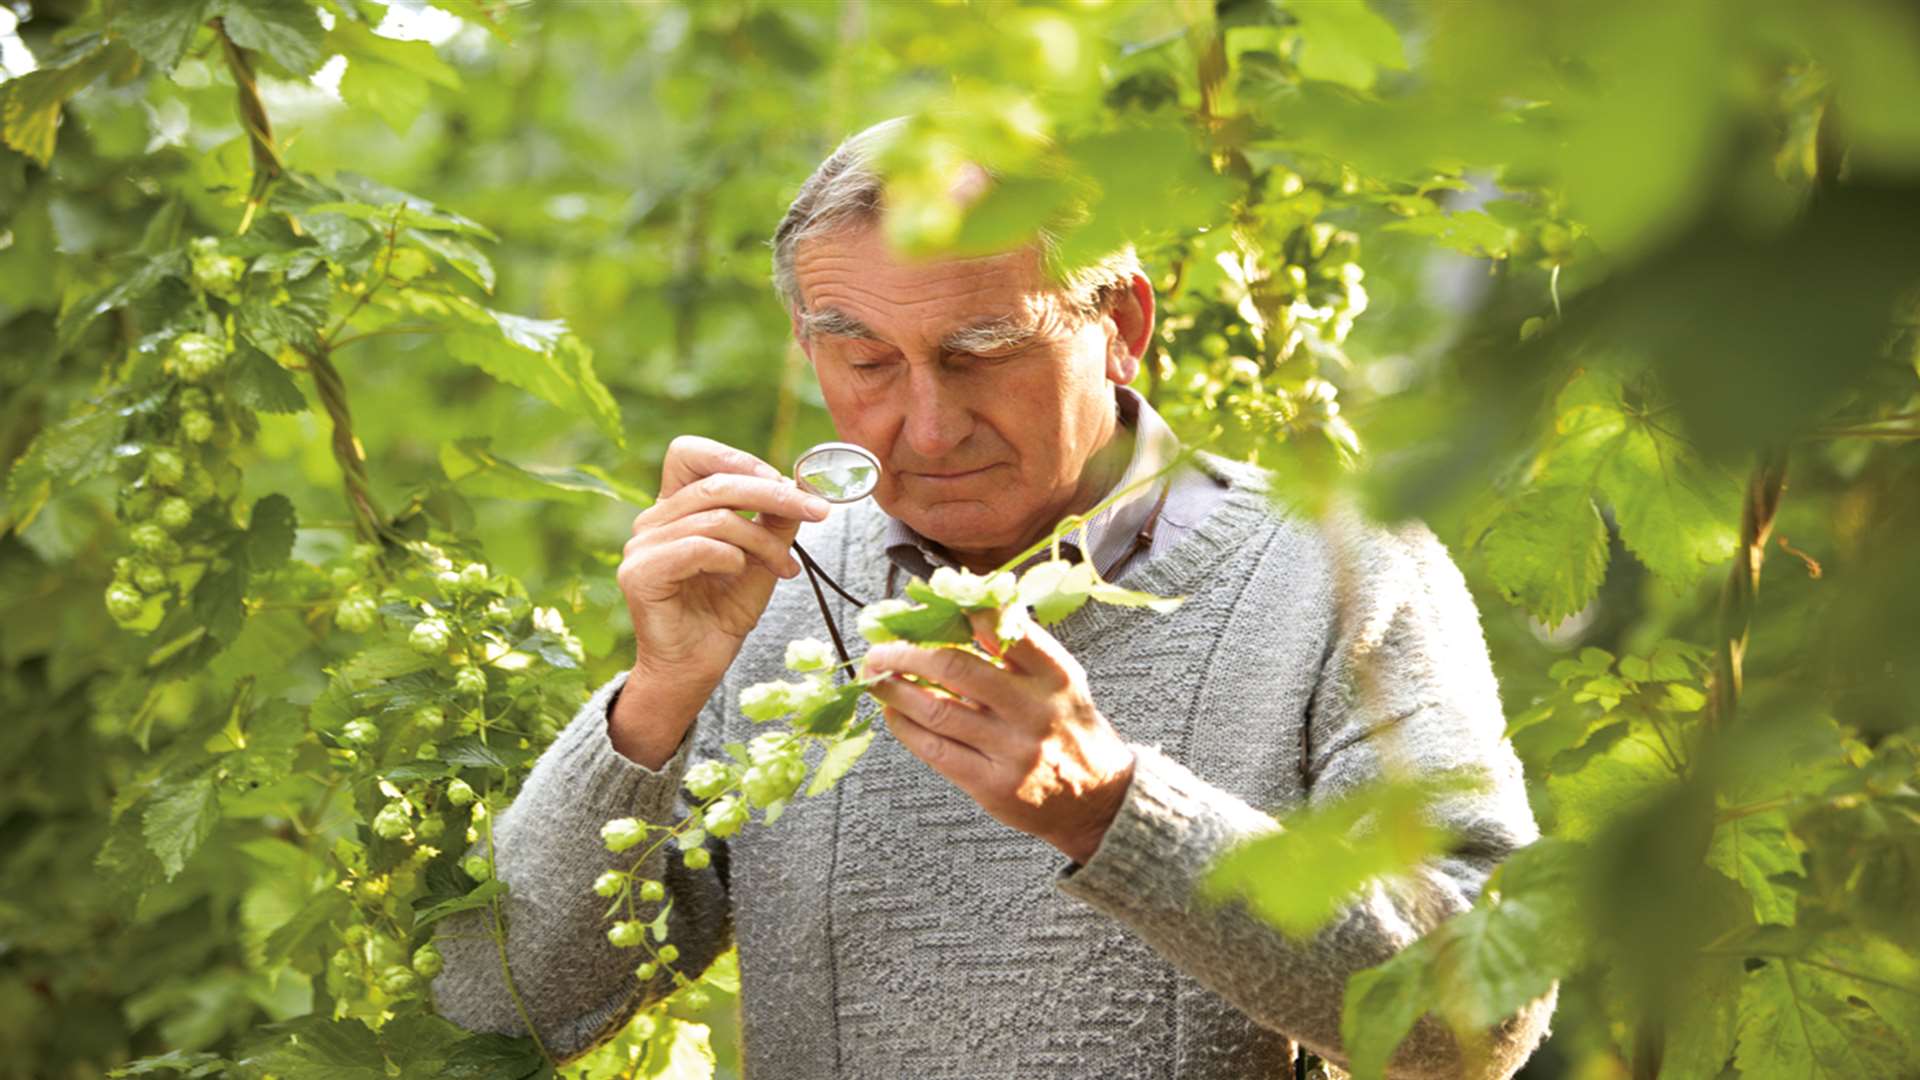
point(1109, 538)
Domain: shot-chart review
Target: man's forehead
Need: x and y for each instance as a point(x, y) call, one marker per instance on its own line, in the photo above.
point(853, 286)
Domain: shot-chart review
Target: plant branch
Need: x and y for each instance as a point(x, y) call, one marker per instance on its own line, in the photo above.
point(267, 166)
point(500, 940)
point(1764, 486)
point(368, 520)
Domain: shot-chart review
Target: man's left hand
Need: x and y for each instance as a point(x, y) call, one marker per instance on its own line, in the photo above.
point(1021, 737)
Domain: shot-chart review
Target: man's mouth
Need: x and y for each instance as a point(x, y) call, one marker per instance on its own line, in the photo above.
point(952, 474)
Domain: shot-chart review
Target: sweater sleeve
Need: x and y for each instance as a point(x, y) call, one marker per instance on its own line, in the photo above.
point(579, 988)
point(1407, 685)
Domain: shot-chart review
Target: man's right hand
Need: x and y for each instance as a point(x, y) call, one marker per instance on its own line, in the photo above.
point(697, 577)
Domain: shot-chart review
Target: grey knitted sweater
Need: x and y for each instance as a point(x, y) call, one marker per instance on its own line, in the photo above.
point(890, 928)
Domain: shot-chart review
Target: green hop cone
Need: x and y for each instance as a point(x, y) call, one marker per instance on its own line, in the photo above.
point(360, 732)
point(426, 751)
point(652, 892)
point(429, 718)
point(725, 816)
point(970, 591)
point(427, 961)
point(697, 859)
point(809, 654)
point(430, 636)
point(397, 981)
point(356, 614)
point(174, 513)
point(622, 833)
point(192, 397)
point(196, 356)
point(149, 577)
point(166, 468)
point(627, 933)
point(392, 822)
point(470, 681)
point(148, 537)
point(772, 700)
point(646, 971)
point(870, 620)
point(608, 883)
point(124, 602)
point(707, 779)
point(769, 782)
point(477, 867)
point(213, 272)
point(196, 426)
point(431, 828)
point(459, 792)
point(474, 575)
point(771, 746)
point(669, 953)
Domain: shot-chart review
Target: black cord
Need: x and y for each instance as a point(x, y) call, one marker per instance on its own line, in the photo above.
point(814, 574)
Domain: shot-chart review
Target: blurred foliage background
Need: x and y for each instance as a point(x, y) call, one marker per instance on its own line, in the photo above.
point(1619, 298)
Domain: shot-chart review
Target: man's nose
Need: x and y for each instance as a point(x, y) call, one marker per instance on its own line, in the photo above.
point(938, 415)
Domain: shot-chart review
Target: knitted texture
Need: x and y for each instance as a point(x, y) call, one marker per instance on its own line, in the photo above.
point(891, 928)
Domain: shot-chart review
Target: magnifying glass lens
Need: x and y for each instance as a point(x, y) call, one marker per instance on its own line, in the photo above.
point(838, 472)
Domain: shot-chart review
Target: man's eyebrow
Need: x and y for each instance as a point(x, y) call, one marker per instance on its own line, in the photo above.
point(832, 322)
point(998, 334)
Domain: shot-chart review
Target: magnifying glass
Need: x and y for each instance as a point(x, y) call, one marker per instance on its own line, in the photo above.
point(838, 472)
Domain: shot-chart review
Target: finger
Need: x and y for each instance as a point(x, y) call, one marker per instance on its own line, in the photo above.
point(954, 669)
point(966, 767)
point(731, 491)
point(690, 457)
point(1038, 654)
point(944, 715)
point(986, 629)
point(770, 549)
point(682, 559)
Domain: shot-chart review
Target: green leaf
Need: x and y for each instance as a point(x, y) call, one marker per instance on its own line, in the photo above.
point(936, 621)
point(476, 470)
point(1797, 1020)
point(160, 30)
point(256, 381)
point(272, 322)
point(830, 713)
point(1614, 772)
point(541, 357)
point(388, 76)
point(1301, 876)
point(1469, 232)
point(839, 758)
point(136, 285)
point(289, 31)
point(219, 602)
point(492, 1057)
point(1381, 1006)
point(1547, 552)
point(679, 1050)
point(179, 819)
point(187, 1066)
point(1700, 1033)
point(1750, 850)
point(315, 1048)
point(1345, 42)
point(30, 104)
point(64, 454)
point(1676, 513)
point(270, 532)
point(481, 895)
point(459, 253)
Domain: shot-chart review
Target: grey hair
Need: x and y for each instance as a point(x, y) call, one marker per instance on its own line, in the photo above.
point(846, 190)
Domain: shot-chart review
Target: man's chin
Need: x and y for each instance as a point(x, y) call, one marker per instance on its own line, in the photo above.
point(962, 526)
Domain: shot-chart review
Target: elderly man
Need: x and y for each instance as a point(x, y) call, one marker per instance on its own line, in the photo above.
point(1008, 887)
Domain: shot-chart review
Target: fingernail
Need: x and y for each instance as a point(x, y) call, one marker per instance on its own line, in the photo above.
point(768, 471)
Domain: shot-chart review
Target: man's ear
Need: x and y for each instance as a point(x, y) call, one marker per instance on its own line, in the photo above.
point(1131, 311)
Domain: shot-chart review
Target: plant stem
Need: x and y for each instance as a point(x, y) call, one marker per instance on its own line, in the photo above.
point(500, 941)
point(346, 447)
point(267, 165)
point(1764, 487)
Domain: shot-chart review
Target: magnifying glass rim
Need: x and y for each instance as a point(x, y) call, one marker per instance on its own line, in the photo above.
point(817, 448)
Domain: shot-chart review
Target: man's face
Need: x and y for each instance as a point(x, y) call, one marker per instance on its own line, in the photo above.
point(983, 396)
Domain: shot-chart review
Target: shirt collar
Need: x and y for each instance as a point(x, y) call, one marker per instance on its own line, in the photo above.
point(1106, 537)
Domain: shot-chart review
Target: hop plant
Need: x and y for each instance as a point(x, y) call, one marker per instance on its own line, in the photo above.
point(392, 821)
point(173, 513)
point(196, 426)
point(870, 621)
point(772, 700)
point(707, 779)
point(213, 272)
point(459, 792)
point(622, 833)
point(427, 961)
point(356, 614)
point(725, 817)
point(696, 859)
point(196, 356)
point(609, 883)
point(627, 933)
point(970, 591)
point(165, 468)
point(360, 732)
point(769, 782)
point(652, 892)
point(809, 654)
point(470, 681)
point(124, 602)
point(430, 636)
point(149, 577)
